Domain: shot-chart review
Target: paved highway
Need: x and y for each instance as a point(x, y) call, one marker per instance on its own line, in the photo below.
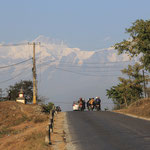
point(108, 131)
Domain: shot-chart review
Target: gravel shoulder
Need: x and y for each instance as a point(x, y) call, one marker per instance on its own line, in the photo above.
point(61, 137)
point(131, 115)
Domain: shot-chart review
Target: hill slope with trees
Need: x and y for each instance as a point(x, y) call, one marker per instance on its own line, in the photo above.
point(134, 87)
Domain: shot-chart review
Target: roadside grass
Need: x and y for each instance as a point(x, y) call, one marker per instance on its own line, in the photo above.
point(40, 119)
point(5, 131)
point(22, 126)
point(20, 120)
point(36, 140)
point(139, 108)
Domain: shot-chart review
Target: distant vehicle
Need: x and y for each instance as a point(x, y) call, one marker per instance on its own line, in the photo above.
point(75, 106)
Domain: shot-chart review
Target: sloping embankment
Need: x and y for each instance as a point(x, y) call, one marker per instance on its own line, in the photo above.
point(140, 109)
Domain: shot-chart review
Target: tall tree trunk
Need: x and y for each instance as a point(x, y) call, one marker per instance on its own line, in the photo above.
point(125, 101)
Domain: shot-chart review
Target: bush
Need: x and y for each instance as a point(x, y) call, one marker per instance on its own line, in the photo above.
point(40, 119)
point(47, 107)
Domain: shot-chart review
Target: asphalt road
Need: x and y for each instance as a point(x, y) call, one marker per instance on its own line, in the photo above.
point(108, 131)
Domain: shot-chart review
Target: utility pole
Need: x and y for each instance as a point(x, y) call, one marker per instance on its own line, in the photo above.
point(34, 74)
point(144, 84)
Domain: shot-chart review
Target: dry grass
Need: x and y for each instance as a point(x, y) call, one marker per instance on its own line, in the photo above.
point(22, 127)
point(139, 108)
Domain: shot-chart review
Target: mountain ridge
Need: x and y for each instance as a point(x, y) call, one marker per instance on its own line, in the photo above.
point(64, 74)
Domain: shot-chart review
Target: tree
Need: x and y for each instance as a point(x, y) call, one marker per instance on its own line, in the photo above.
point(42, 99)
point(148, 92)
point(128, 90)
point(47, 107)
point(116, 95)
point(27, 87)
point(139, 42)
point(1, 91)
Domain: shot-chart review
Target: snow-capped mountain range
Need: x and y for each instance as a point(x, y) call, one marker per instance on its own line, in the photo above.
point(64, 73)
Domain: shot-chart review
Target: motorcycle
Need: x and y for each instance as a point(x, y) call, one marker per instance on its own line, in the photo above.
point(80, 107)
point(97, 107)
point(91, 107)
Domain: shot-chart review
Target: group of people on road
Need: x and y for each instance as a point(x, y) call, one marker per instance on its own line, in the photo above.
point(92, 103)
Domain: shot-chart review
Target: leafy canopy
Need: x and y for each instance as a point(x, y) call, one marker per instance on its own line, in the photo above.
point(130, 89)
point(27, 87)
point(139, 42)
point(47, 107)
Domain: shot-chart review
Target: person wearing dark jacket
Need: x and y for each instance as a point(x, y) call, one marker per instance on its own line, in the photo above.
point(97, 103)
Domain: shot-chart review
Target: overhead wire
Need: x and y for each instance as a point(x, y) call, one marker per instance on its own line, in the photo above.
point(83, 73)
point(75, 72)
point(62, 62)
point(91, 67)
point(77, 65)
point(90, 63)
point(60, 68)
point(11, 70)
point(14, 76)
point(7, 45)
point(15, 64)
point(94, 63)
point(98, 51)
point(11, 78)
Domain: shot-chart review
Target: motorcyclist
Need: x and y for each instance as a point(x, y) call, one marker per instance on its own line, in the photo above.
point(80, 104)
point(97, 103)
point(91, 103)
point(83, 103)
point(88, 103)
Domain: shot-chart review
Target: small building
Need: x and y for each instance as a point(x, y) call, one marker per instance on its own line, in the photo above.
point(21, 98)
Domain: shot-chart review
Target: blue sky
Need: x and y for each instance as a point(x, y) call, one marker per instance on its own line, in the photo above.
point(86, 24)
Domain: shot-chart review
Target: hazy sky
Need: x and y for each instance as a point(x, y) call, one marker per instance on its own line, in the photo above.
point(86, 24)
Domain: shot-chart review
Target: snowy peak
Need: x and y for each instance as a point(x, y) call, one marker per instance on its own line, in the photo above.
point(47, 40)
point(54, 50)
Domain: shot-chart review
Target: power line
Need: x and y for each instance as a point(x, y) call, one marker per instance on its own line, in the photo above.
point(93, 67)
point(85, 67)
point(89, 63)
point(98, 71)
point(97, 51)
point(10, 70)
point(94, 63)
point(14, 76)
point(15, 64)
point(7, 45)
point(83, 73)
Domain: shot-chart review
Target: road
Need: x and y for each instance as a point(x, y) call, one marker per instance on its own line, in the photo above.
point(108, 131)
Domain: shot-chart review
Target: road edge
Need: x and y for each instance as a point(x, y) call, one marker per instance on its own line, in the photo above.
point(69, 144)
point(134, 116)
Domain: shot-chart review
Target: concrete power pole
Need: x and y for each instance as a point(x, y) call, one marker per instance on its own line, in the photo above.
point(34, 75)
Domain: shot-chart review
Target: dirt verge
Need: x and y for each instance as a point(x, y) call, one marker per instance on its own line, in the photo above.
point(58, 136)
point(139, 109)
